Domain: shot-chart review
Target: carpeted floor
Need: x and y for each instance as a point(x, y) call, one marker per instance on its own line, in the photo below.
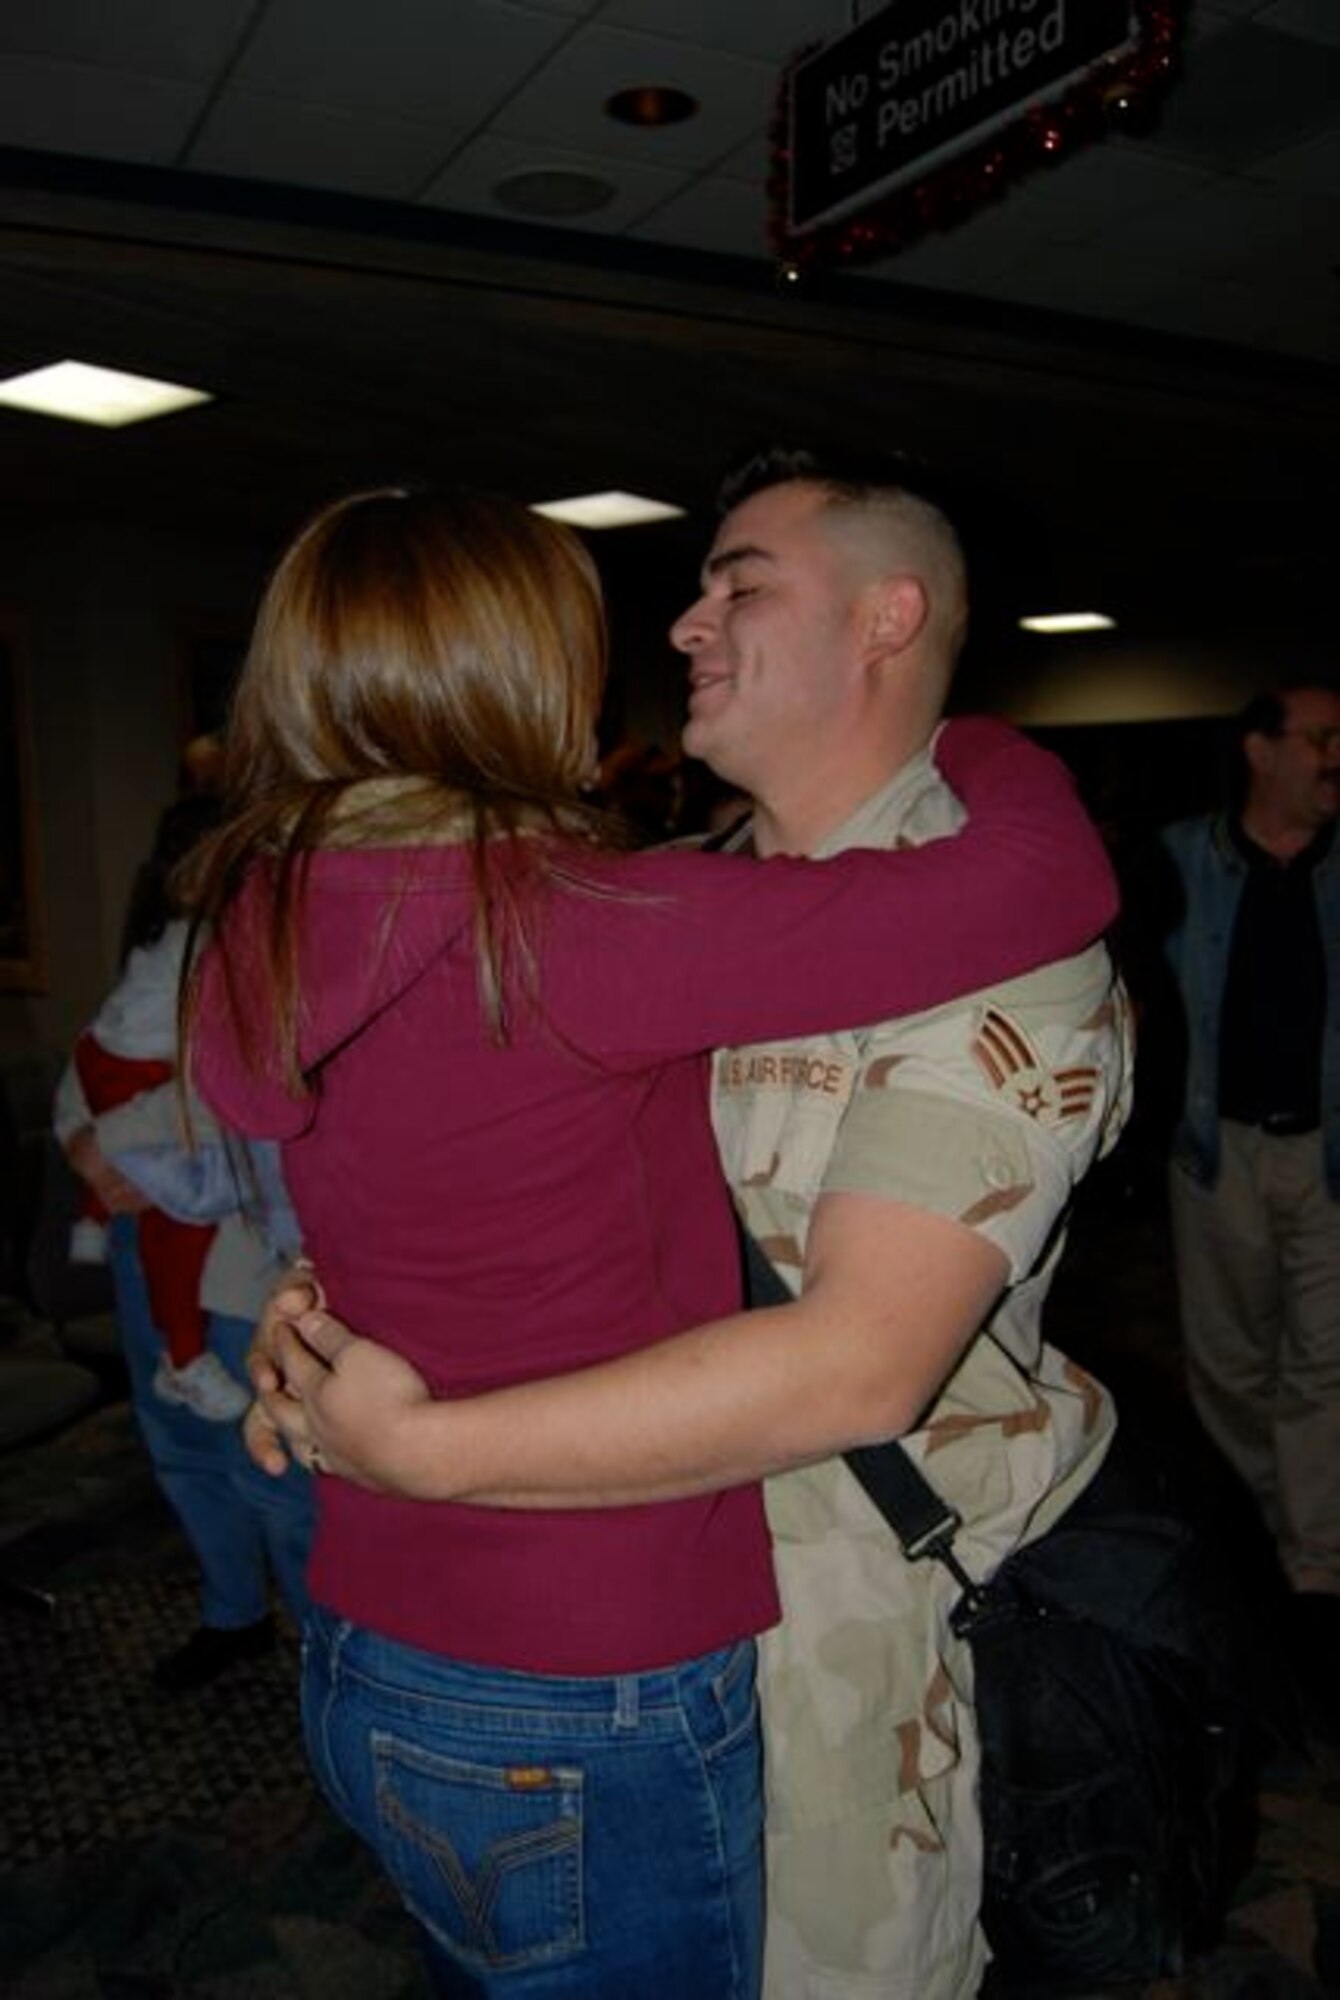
point(155, 1847)
point(76, 1693)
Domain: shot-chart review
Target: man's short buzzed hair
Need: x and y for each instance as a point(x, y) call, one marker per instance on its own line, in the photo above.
point(859, 477)
point(907, 492)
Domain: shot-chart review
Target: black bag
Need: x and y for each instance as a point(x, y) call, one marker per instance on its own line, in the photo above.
point(1112, 1732)
point(1112, 1748)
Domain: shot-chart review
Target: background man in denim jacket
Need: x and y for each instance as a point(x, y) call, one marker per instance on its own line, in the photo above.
point(1255, 1179)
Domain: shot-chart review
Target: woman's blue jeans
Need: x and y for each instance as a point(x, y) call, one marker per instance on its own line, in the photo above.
point(592, 1839)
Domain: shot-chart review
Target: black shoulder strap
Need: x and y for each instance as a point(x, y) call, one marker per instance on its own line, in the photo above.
point(924, 1523)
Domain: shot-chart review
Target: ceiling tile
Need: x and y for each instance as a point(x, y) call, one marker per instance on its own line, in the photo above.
point(70, 108)
point(1237, 10)
point(563, 103)
point(971, 255)
point(1088, 283)
point(1220, 309)
point(1221, 113)
point(311, 145)
point(770, 30)
point(1202, 23)
point(1102, 182)
point(1317, 20)
point(750, 162)
point(449, 62)
point(729, 217)
point(469, 181)
point(1313, 165)
point(1027, 207)
point(185, 39)
point(1231, 228)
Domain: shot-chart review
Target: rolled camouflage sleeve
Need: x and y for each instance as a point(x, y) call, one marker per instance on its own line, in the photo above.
point(989, 1111)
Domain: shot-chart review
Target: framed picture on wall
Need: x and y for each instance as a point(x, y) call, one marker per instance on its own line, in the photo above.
point(22, 959)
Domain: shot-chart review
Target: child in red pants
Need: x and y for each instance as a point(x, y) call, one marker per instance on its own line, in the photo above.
point(130, 1049)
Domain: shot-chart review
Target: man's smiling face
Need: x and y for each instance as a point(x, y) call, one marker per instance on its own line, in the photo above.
point(773, 641)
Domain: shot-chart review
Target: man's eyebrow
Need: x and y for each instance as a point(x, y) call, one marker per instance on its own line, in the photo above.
point(727, 558)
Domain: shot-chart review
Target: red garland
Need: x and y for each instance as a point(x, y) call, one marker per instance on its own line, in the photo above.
point(1110, 93)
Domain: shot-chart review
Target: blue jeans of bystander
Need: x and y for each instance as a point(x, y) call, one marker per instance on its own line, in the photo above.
point(561, 1839)
point(282, 1511)
point(234, 1516)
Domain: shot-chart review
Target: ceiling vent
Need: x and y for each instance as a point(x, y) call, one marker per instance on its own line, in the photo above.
point(553, 193)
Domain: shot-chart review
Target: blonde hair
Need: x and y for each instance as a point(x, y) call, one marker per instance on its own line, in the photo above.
point(424, 666)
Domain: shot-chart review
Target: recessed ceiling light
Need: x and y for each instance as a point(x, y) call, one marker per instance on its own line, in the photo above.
point(651, 104)
point(88, 395)
point(1069, 621)
point(553, 192)
point(607, 510)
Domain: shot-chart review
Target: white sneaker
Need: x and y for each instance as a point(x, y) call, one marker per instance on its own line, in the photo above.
point(204, 1387)
point(88, 1241)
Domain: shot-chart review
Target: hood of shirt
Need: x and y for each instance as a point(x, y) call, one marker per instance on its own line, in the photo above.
point(370, 924)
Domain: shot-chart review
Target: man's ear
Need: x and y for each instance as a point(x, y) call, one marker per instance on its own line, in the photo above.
point(898, 610)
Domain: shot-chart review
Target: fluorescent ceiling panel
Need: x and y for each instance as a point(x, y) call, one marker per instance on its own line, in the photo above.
point(607, 510)
point(1068, 621)
point(88, 395)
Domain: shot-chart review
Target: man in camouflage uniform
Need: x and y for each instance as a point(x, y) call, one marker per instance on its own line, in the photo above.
point(931, 1159)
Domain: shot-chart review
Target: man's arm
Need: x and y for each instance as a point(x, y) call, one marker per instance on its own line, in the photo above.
point(892, 1295)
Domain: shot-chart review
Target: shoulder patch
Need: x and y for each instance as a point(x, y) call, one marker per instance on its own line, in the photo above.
point(1013, 1067)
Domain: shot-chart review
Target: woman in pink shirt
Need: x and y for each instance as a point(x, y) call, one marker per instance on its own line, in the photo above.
point(480, 1035)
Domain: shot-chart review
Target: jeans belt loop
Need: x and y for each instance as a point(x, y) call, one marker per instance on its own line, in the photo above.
point(627, 1701)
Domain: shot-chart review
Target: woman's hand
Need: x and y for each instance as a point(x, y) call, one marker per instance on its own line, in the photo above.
point(340, 1403)
point(297, 1291)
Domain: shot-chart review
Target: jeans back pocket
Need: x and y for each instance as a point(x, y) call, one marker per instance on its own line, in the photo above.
point(488, 1857)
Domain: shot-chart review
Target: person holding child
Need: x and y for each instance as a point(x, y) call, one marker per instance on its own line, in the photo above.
point(194, 1226)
